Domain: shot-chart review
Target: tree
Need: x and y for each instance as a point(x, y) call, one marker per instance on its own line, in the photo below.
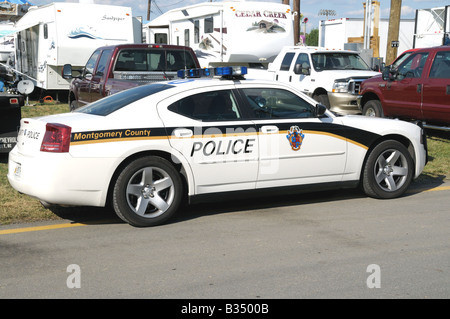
point(312, 38)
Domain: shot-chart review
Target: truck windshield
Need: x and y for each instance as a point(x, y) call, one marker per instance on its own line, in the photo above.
point(121, 99)
point(338, 61)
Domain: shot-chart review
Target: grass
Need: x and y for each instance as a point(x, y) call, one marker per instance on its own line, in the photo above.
point(18, 208)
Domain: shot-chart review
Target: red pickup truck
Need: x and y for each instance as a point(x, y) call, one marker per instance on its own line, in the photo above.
point(417, 89)
point(111, 69)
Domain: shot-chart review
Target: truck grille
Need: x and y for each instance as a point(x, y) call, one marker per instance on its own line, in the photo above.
point(354, 86)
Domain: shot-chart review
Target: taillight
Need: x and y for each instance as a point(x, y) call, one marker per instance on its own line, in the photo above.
point(56, 138)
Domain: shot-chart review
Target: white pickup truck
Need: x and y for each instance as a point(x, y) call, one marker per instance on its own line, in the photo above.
point(331, 77)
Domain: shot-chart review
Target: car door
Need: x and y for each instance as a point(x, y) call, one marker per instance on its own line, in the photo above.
point(284, 74)
point(84, 84)
point(404, 95)
point(436, 89)
point(97, 84)
point(207, 128)
point(295, 146)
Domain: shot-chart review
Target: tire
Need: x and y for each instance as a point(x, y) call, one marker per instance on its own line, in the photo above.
point(373, 108)
point(73, 105)
point(322, 99)
point(147, 192)
point(388, 171)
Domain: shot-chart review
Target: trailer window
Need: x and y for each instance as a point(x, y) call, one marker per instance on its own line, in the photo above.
point(186, 37)
point(209, 25)
point(196, 31)
point(160, 38)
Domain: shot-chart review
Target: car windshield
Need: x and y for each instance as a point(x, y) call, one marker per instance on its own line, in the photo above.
point(117, 101)
point(338, 61)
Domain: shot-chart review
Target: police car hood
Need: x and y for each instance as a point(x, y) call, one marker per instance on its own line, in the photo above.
point(380, 126)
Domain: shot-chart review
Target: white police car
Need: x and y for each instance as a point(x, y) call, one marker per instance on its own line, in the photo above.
point(143, 150)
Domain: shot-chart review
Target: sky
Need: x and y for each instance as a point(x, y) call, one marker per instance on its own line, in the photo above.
point(309, 8)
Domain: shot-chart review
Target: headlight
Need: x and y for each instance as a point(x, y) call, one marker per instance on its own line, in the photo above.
point(340, 86)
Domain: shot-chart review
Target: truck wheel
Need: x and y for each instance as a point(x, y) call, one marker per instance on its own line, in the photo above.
point(322, 99)
point(373, 108)
point(73, 105)
point(388, 170)
point(147, 192)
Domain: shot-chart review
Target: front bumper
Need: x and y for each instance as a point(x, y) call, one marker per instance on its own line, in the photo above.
point(344, 103)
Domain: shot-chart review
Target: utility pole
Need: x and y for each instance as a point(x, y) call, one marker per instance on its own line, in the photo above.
point(148, 9)
point(393, 31)
point(296, 9)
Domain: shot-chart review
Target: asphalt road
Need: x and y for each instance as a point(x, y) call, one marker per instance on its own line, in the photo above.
point(322, 245)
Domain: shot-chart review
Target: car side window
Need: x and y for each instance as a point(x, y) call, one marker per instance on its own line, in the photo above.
point(287, 60)
point(103, 62)
point(90, 65)
point(441, 66)
point(413, 66)
point(277, 103)
point(208, 106)
point(303, 60)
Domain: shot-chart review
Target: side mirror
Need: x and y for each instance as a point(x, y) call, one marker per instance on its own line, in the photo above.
point(67, 72)
point(303, 69)
point(389, 73)
point(320, 109)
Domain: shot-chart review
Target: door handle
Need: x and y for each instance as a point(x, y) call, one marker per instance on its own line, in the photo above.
point(419, 88)
point(269, 129)
point(183, 133)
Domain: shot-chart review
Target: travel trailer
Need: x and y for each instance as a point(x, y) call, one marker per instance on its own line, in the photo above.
point(228, 32)
point(50, 36)
point(338, 33)
point(432, 27)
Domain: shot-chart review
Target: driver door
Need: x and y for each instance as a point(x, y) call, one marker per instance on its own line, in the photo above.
point(404, 94)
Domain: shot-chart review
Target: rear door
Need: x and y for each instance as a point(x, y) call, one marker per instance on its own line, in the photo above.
point(284, 74)
point(207, 128)
point(84, 84)
point(436, 89)
point(97, 84)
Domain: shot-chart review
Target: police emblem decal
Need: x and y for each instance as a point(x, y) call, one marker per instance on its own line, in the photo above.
point(295, 137)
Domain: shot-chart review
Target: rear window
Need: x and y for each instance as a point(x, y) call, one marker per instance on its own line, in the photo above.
point(117, 101)
point(154, 60)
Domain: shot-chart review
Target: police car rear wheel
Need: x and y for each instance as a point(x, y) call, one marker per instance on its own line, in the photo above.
point(388, 170)
point(147, 192)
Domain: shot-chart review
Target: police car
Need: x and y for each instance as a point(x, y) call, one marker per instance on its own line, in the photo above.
point(146, 149)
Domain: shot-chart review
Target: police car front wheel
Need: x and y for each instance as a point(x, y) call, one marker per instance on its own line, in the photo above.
point(147, 192)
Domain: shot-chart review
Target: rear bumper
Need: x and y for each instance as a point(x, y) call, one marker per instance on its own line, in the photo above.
point(60, 179)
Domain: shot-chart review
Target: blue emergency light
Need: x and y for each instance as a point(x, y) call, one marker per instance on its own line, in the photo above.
point(226, 72)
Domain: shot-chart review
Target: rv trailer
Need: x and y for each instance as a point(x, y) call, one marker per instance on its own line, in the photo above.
point(228, 32)
point(50, 36)
point(432, 27)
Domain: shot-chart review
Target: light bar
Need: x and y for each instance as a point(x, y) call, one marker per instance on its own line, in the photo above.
point(226, 71)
